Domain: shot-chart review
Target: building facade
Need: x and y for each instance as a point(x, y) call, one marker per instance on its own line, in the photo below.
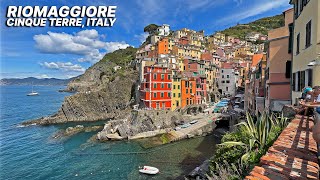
point(278, 66)
point(306, 46)
point(156, 87)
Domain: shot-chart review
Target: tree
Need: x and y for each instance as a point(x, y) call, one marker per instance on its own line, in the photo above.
point(151, 28)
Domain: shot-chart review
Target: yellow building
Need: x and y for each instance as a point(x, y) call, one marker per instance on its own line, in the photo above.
point(195, 42)
point(220, 37)
point(182, 51)
point(171, 44)
point(212, 43)
point(243, 51)
point(181, 64)
point(306, 46)
point(176, 92)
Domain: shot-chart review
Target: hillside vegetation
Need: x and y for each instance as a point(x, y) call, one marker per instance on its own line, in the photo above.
point(262, 26)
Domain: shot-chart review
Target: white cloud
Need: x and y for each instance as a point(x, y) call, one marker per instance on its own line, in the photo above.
point(112, 46)
point(64, 66)
point(87, 43)
point(92, 34)
point(257, 7)
point(142, 37)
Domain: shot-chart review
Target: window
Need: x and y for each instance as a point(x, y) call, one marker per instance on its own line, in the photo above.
point(190, 91)
point(155, 85)
point(187, 101)
point(228, 76)
point(169, 76)
point(296, 9)
point(222, 81)
point(222, 71)
point(290, 38)
point(162, 76)
point(155, 95)
point(308, 34)
point(227, 89)
point(222, 76)
point(169, 85)
point(162, 94)
point(186, 91)
point(288, 69)
point(310, 77)
point(154, 76)
point(298, 44)
point(298, 81)
point(303, 80)
point(178, 86)
point(162, 85)
point(179, 95)
point(174, 86)
point(294, 82)
point(227, 81)
point(169, 94)
point(174, 94)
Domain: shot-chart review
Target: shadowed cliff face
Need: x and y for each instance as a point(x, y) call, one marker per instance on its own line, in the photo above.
point(102, 93)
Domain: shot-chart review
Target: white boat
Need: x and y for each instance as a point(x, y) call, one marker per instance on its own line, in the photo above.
point(149, 170)
point(33, 93)
point(193, 122)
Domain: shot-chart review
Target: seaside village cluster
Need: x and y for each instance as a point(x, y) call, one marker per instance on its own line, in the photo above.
point(184, 67)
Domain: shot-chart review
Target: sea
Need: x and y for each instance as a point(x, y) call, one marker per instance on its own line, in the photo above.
point(32, 153)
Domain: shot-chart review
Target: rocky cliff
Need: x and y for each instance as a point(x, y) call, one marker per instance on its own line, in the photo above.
point(139, 122)
point(102, 91)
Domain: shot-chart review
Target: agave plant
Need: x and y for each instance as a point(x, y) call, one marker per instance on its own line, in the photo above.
point(227, 171)
point(280, 121)
point(258, 131)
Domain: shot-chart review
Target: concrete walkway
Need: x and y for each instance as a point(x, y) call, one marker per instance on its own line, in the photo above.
point(292, 156)
point(203, 121)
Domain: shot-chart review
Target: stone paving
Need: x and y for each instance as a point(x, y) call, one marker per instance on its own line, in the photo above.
point(292, 156)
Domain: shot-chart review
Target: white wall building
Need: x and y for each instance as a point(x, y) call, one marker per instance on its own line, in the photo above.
point(227, 81)
point(163, 30)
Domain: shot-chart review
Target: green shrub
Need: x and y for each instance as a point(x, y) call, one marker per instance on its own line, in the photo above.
point(244, 147)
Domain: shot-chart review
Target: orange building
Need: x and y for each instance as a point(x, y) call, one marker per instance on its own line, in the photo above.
point(255, 59)
point(163, 46)
point(188, 91)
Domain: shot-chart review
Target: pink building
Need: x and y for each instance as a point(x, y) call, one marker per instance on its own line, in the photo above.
point(220, 52)
point(201, 91)
point(278, 66)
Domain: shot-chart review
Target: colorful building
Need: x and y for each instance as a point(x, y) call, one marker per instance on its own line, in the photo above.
point(176, 91)
point(156, 87)
point(278, 66)
point(162, 46)
point(201, 90)
point(188, 90)
point(306, 46)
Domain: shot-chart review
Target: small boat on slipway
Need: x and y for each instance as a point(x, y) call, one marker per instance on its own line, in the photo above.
point(149, 170)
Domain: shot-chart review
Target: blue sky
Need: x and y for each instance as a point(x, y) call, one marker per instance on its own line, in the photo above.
point(51, 52)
